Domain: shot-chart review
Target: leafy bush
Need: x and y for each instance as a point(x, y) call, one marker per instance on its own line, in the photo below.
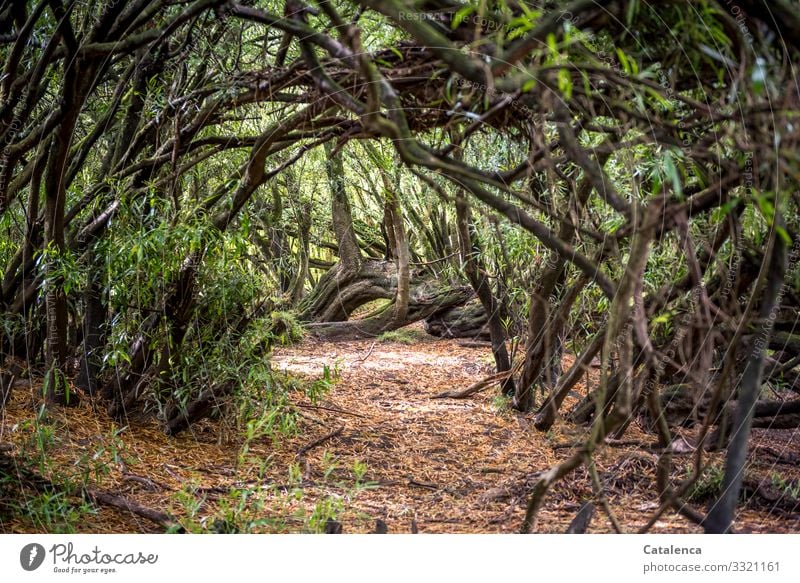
point(286, 328)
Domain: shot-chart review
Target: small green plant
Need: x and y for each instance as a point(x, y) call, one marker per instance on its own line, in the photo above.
point(40, 441)
point(318, 388)
point(359, 473)
point(91, 466)
point(58, 383)
point(787, 487)
point(116, 447)
point(295, 475)
point(54, 511)
point(191, 503)
point(708, 485)
point(502, 404)
point(241, 511)
point(268, 422)
point(329, 508)
point(329, 464)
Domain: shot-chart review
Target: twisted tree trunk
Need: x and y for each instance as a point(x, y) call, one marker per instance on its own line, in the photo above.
point(543, 351)
point(467, 321)
point(476, 273)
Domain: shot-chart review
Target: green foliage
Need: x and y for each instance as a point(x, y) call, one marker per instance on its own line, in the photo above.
point(272, 508)
point(53, 512)
point(59, 383)
point(403, 336)
point(502, 404)
point(286, 328)
point(190, 503)
point(359, 471)
point(41, 439)
point(708, 485)
point(328, 508)
point(788, 488)
point(59, 505)
point(62, 269)
point(199, 286)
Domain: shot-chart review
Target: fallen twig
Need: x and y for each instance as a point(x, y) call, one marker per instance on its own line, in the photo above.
point(303, 450)
point(334, 409)
point(475, 344)
point(171, 473)
point(369, 352)
point(146, 482)
point(609, 442)
point(481, 385)
point(423, 485)
point(163, 519)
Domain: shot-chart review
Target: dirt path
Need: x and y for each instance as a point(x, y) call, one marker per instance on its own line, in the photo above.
point(440, 462)
point(464, 465)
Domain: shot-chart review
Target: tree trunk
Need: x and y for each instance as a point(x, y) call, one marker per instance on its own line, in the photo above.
point(94, 324)
point(179, 418)
point(341, 212)
point(720, 517)
point(543, 350)
point(467, 321)
point(303, 233)
point(401, 255)
point(476, 273)
point(426, 299)
point(55, 198)
point(546, 415)
point(326, 303)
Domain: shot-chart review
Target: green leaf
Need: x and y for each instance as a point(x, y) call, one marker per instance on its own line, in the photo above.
point(672, 173)
point(630, 13)
point(629, 66)
point(529, 13)
point(730, 205)
point(660, 98)
point(766, 207)
point(528, 85)
point(519, 26)
point(461, 14)
point(662, 319)
point(565, 83)
point(552, 45)
point(784, 235)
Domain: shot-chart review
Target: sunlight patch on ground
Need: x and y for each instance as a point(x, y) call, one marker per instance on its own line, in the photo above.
point(380, 360)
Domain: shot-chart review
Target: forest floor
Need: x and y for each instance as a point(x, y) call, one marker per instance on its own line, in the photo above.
point(377, 446)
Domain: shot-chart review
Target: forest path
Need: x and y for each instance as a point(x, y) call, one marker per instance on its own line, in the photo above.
point(450, 465)
point(462, 466)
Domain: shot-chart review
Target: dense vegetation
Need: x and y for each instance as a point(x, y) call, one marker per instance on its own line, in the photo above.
point(186, 183)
